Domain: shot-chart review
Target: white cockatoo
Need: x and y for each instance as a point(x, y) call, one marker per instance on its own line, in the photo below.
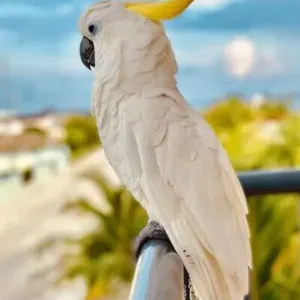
point(163, 151)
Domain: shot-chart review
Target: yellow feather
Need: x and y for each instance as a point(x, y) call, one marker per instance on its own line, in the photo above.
point(161, 10)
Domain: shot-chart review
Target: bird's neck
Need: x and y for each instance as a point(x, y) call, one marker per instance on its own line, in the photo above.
point(120, 72)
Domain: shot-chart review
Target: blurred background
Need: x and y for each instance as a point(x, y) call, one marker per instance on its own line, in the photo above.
point(67, 226)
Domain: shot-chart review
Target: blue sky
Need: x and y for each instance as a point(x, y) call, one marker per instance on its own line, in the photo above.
point(222, 46)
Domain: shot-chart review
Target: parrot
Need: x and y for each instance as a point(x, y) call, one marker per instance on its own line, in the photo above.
point(161, 148)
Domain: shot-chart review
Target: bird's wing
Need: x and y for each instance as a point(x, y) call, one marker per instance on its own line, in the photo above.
point(194, 193)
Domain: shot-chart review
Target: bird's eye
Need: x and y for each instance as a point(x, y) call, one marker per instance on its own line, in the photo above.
point(93, 28)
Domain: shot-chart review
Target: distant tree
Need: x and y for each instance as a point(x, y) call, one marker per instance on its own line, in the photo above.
point(35, 130)
point(273, 110)
point(228, 114)
point(81, 133)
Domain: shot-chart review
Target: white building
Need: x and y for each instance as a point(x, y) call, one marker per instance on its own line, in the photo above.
point(51, 123)
point(26, 159)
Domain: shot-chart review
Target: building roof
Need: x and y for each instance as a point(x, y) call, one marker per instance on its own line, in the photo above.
point(24, 142)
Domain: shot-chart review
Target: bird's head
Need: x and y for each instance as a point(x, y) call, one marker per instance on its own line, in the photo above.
point(110, 25)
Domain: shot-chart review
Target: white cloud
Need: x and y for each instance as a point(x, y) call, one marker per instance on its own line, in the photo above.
point(240, 56)
point(211, 4)
point(244, 57)
point(269, 62)
point(197, 4)
point(23, 10)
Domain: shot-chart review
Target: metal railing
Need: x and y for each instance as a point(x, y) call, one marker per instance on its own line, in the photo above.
point(160, 274)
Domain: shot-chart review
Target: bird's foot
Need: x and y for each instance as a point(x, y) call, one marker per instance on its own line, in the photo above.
point(152, 231)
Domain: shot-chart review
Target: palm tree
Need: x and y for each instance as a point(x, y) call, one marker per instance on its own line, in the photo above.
point(81, 134)
point(104, 254)
point(228, 114)
point(273, 109)
point(286, 270)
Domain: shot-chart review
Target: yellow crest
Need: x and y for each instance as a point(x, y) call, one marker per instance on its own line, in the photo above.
point(161, 10)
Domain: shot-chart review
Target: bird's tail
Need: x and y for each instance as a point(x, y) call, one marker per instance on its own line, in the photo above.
point(208, 279)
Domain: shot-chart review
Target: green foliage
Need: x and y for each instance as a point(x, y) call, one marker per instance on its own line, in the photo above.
point(81, 134)
point(273, 110)
point(266, 137)
point(286, 270)
point(229, 114)
point(35, 130)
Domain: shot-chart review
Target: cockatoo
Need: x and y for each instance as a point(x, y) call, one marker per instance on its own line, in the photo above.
point(161, 148)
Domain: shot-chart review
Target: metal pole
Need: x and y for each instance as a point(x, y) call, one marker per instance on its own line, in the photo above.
point(270, 182)
point(159, 273)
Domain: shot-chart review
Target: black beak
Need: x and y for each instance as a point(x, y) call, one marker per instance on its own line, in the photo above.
point(87, 53)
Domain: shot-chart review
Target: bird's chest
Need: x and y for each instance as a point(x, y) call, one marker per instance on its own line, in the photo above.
point(109, 130)
point(110, 126)
point(116, 142)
